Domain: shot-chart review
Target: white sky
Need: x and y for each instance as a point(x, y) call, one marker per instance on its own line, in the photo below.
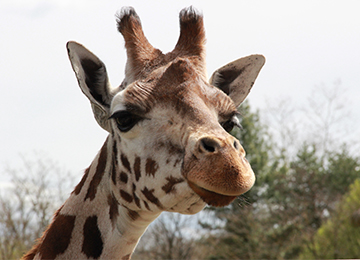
point(306, 44)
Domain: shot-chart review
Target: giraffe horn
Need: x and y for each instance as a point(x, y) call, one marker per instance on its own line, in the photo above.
point(140, 53)
point(192, 33)
point(191, 42)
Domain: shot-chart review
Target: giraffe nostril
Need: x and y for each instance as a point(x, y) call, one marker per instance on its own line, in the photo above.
point(208, 145)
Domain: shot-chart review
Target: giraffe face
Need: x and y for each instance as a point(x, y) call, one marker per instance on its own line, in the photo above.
point(169, 125)
point(188, 143)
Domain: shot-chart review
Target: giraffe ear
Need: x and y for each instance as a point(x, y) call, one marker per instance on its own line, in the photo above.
point(93, 80)
point(237, 78)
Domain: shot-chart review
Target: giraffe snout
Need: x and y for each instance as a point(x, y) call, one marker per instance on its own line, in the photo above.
point(216, 169)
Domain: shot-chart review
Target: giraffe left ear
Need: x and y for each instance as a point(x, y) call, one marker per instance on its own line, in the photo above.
point(93, 80)
point(237, 78)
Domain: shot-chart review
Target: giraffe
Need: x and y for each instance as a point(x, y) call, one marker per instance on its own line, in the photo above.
point(168, 147)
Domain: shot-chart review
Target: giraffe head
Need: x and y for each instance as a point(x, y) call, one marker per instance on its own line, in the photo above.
point(168, 123)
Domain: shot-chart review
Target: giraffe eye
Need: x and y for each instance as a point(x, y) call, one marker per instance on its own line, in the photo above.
point(229, 125)
point(125, 120)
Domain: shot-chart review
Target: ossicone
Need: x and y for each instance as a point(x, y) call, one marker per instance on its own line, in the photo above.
point(192, 33)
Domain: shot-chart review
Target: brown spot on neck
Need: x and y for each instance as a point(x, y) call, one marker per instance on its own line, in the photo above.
point(78, 187)
point(137, 171)
point(151, 167)
point(92, 244)
point(169, 186)
point(150, 196)
point(113, 210)
point(125, 162)
point(133, 214)
point(137, 200)
point(123, 177)
point(115, 162)
point(100, 170)
point(146, 205)
point(126, 196)
point(56, 239)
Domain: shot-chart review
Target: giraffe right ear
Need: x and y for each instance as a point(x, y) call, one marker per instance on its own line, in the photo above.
point(237, 78)
point(93, 80)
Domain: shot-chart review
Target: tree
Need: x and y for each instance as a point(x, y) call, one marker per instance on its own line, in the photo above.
point(171, 236)
point(305, 196)
point(38, 188)
point(337, 238)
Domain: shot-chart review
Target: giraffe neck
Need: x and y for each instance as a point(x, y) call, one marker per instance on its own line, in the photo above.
point(92, 223)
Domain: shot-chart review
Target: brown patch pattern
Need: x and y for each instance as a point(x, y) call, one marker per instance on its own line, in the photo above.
point(137, 200)
point(100, 169)
point(126, 196)
point(78, 187)
point(125, 162)
point(123, 177)
point(113, 210)
point(115, 162)
point(57, 237)
point(150, 196)
point(31, 254)
point(151, 167)
point(179, 160)
point(169, 186)
point(92, 244)
point(137, 171)
point(133, 214)
point(113, 173)
point(146, 205)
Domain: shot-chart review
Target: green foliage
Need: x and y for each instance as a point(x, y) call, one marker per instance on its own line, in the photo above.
point(338, 238)
point(342, 171)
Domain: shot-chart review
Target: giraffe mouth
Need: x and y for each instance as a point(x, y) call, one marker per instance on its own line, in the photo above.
point(210, 197)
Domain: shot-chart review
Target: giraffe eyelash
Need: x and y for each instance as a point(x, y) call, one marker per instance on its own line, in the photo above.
point(125, 120)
